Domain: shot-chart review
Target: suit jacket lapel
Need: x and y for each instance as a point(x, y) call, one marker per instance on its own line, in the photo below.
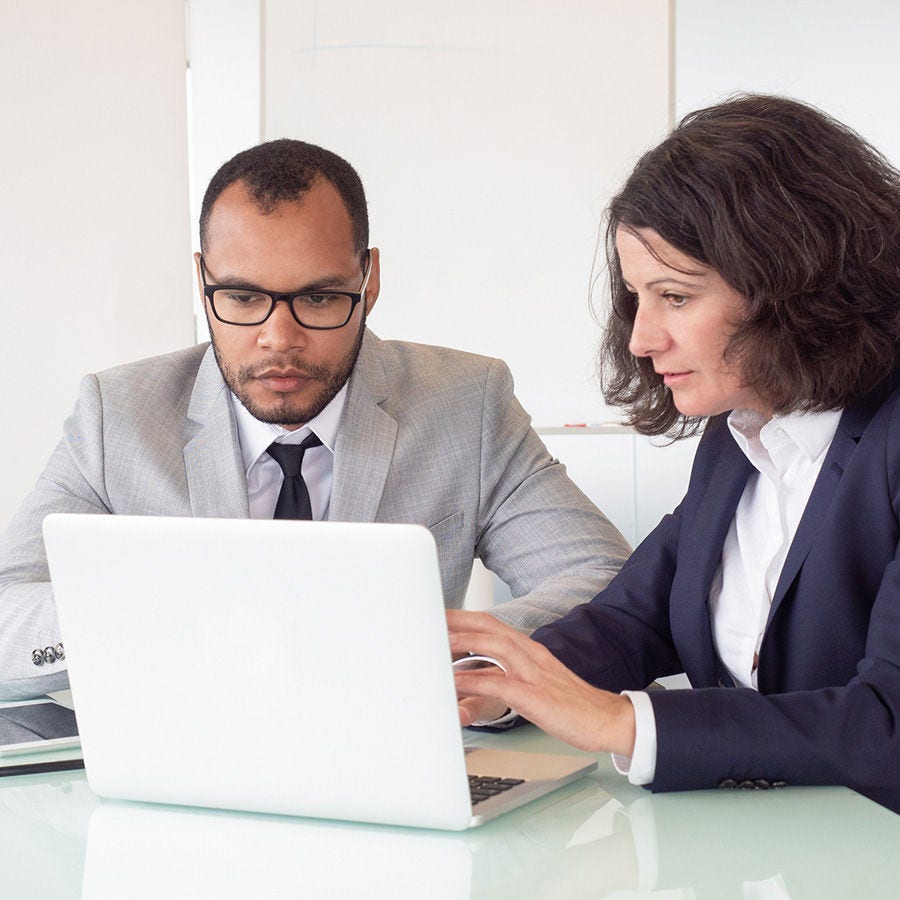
point(850, 428)
point(842, 446)
point(700, 551)
point(365, 443)
point(217, 486)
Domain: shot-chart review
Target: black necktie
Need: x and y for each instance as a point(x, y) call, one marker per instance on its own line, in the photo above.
point(293, 501)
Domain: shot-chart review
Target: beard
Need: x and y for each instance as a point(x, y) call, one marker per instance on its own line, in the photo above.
point(290, 410)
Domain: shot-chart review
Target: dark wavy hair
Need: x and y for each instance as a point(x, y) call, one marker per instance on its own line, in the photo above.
point(284, 170)
point(799, 215)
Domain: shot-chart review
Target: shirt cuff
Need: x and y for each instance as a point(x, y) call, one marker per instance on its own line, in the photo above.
point(640, 767)
point(504, 721)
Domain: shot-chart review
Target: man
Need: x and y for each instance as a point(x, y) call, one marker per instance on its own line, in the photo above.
point(366, 430)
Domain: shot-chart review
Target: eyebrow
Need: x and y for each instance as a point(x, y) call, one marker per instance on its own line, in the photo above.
point(327, 282)
point(675, 281)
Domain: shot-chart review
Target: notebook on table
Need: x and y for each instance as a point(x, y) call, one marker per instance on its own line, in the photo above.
point(300, 668)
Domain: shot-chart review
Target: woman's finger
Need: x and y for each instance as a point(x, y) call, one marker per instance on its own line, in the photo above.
point(516, 653)
point(467, 620)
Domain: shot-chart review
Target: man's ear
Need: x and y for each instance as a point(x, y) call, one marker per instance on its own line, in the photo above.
point(373, 288)
point(199, 280)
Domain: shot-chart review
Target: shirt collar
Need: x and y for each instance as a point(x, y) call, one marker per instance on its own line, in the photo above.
point(255, 436)
point(810, 432)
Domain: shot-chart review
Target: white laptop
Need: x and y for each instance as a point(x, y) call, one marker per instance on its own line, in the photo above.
point(300, 668)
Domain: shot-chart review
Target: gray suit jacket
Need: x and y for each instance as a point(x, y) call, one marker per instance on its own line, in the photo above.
point(428, 435)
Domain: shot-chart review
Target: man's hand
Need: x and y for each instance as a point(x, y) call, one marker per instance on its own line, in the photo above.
point(538, 686)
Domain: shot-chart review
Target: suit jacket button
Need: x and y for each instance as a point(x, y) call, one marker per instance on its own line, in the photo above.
point(49, 655)
point(779, 784)
point(728, 784)
point(60, 651)
point(37, 657)
point(762, 784)
point(747, 785)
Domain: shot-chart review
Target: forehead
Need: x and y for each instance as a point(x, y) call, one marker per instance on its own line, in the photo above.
point(312, 232)
point(643, 251)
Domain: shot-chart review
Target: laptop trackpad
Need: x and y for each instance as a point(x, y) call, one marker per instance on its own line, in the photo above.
point(528, 766)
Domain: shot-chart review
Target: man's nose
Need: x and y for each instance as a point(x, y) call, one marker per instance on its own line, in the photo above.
point(281, 331)
point(647, 334)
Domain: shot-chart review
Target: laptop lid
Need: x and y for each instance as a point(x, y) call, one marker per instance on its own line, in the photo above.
point(275, 666)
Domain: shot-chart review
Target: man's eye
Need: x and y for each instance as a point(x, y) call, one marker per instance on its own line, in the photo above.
point(316, 301)
point(244, 298)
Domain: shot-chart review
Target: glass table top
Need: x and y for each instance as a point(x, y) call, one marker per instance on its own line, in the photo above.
point(598, 837)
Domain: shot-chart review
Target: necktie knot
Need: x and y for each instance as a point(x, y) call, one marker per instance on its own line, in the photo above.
point(290, 456)
point(293, 501)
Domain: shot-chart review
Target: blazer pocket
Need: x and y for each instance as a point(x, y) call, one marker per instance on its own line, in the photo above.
point(448, 526)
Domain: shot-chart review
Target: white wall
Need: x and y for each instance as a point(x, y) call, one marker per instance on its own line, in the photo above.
point(225, 57)
point(94, 224)
point(489, 136)
point(839, 56)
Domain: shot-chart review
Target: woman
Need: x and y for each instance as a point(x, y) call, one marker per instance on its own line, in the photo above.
point(754, 259)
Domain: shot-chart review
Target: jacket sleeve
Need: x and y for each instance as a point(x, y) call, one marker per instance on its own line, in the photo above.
point(847, 734)
point(72, 482)
point(621, 639)
point(536, 530)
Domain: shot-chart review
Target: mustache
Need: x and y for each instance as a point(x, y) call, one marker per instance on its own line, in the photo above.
point(285, 365)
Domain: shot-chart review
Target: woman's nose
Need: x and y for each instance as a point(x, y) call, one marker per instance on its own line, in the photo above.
point(647, 334)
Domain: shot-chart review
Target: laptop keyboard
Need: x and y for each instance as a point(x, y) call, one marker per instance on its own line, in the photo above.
point(481, 787)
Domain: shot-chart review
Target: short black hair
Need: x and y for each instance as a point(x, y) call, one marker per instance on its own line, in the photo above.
point(801, 217)
point(283, 171)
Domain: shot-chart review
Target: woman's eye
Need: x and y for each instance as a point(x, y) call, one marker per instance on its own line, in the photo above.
point(676, 300)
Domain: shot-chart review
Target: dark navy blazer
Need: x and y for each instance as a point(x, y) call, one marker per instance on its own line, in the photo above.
point(828, 706)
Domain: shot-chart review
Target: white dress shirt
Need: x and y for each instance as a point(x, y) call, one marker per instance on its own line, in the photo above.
point(264, 475)
point(787, 453)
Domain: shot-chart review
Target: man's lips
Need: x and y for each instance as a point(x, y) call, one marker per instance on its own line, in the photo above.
point(283, 380)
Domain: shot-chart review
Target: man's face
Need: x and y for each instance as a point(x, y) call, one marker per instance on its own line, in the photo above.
point(282, 372)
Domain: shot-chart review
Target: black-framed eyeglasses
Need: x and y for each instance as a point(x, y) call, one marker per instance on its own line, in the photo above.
point(237, 304)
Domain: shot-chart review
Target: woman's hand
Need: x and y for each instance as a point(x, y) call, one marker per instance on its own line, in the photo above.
point(538, 686)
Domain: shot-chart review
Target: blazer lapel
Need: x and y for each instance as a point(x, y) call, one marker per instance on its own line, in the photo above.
point(700, 551)
point(365, 442)
point(850, 428)
point(217, 486)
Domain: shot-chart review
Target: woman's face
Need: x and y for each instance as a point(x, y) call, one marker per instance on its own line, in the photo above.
point(685, 315)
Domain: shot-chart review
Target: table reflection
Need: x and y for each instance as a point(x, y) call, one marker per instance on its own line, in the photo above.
point(578, 842)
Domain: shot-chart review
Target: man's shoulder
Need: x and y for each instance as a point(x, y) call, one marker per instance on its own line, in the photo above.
point(428, 383)
point(183, 362)
point(412, 362)
point(157, 382)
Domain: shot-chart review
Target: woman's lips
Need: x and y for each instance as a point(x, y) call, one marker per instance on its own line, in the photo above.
point(673, 378)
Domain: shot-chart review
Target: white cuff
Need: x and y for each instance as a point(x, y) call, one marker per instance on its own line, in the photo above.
point(505, 720)
point(640, 767)
point(480, 661)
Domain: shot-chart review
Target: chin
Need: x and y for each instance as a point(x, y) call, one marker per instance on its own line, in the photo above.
point(699, 410)
point(282, 410)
